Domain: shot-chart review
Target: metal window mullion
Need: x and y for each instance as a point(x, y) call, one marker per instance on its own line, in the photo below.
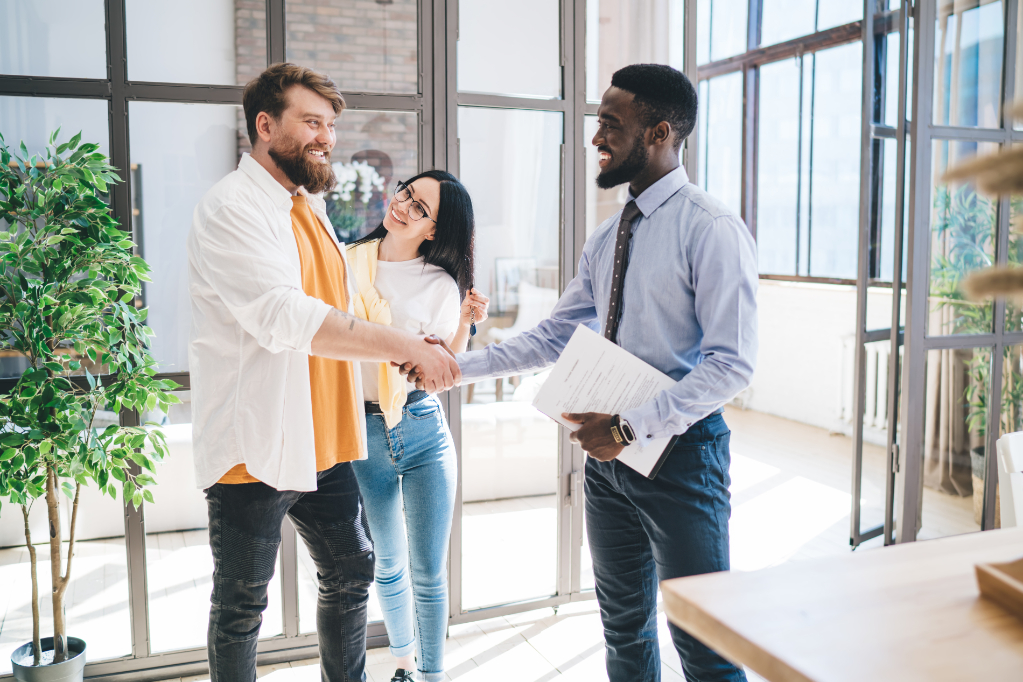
point(959, 341)
point(897, 335)
point(445, 18)
point(809, 178)
point(815, 42)
point(914, 379)
point(994, 418)
point(572, 456)
point(751, 120)
point(289, 578)
point(799, 166)
point(969, 134)
point(750, 140)
point(993, 429)
point(482, 99)
point(34, 86)
point(120, 200)
point(691, 156)
point(862, 271)
point(425, 55)
point(276, 31)
point(571, 155)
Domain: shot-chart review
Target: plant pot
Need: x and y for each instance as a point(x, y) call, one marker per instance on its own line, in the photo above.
point(71, 670)
point(978, 464)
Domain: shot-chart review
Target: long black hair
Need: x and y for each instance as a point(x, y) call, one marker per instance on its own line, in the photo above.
point(454, 239)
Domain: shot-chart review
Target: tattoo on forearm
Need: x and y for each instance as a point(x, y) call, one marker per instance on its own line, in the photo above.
point(345, 316)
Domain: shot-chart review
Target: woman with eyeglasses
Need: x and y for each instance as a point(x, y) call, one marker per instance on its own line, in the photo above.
point(415, 272)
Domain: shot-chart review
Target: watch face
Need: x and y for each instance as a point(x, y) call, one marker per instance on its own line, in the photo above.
point(627, 431)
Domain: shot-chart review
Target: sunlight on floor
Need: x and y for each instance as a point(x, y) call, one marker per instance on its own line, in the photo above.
point(775, 525)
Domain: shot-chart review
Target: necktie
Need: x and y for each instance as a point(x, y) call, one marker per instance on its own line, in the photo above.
point(614, 316)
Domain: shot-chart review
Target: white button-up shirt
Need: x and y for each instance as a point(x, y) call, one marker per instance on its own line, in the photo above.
point(252, 332)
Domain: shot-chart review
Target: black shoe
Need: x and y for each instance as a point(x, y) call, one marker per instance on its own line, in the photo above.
point(402, 675)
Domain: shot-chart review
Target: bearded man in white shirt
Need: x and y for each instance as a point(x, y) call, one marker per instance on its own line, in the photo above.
point(277, 408)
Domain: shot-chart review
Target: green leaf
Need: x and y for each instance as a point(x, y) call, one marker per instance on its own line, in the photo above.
point(7, 454)
point(12, 439)
point(148, 496)
point(118, 473)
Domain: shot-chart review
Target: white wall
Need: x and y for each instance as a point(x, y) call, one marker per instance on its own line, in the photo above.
point(804, 365)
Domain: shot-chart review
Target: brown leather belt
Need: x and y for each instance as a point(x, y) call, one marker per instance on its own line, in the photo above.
point(413, 397)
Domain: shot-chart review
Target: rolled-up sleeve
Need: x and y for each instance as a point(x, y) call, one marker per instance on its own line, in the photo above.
point(244, 265)
point(724, 279)
point(540, 346)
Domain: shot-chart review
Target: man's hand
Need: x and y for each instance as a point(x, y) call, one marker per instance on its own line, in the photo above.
point(434, 369)
point(595, 435)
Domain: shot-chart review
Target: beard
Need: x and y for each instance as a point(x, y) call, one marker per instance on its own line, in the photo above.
point(627, 168)
point(295, 162)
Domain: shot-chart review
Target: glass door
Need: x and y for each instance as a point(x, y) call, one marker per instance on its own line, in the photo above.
point(510, 159)
point(961, 356)
point(880, 272)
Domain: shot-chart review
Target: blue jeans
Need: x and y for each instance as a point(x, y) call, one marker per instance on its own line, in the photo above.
point(409, 482)
point(245, 532)
point(642, 531)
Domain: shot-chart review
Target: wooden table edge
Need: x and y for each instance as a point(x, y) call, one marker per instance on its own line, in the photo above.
point(694, 620)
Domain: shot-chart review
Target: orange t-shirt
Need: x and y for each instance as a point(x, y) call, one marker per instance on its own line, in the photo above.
point(336, 427)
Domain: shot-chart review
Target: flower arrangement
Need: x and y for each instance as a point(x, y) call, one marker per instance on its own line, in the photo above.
point(356, 183)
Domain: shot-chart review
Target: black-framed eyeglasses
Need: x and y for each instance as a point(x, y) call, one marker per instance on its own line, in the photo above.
point(403, 193)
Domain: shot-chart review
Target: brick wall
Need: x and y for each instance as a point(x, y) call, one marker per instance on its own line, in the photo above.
point(365, 46)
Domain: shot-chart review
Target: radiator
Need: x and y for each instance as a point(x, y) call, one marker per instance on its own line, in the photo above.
point(875, 412)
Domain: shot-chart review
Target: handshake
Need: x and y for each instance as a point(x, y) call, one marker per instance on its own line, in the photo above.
point(433, 369)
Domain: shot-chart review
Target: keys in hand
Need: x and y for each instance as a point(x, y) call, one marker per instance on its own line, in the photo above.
point(474, 309)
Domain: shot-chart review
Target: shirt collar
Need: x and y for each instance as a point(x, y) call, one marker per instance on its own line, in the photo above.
point(261, 176)
point(659, 192)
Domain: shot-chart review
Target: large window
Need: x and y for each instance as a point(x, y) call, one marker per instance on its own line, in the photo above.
point(780, 128)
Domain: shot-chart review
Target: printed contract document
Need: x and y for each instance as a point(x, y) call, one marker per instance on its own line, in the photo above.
point(595, 375)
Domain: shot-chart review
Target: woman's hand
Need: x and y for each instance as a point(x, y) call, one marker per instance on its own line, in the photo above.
point(473, 300)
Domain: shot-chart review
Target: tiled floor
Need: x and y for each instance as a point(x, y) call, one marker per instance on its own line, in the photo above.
point(790, 499)
point(537, 646)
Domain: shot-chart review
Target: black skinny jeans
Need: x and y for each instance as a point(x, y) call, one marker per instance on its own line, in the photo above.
point(245, 532)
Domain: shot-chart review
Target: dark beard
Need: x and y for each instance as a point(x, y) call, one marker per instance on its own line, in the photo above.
point(627, 169)
point(293, 161)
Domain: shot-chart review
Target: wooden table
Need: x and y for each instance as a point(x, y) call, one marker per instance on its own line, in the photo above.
point(909, 612)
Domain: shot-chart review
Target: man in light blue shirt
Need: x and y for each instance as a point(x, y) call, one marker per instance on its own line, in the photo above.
point(672, 279)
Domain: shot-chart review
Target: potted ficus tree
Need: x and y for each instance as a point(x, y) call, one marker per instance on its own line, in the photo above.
point(68, 283)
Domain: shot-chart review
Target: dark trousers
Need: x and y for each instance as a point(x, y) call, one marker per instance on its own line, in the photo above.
point(642, 531)
point(245, 532)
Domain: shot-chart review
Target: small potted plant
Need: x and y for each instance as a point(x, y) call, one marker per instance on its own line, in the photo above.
point(68, 283)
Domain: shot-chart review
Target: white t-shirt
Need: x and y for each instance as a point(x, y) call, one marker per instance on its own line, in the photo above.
point(424, 300)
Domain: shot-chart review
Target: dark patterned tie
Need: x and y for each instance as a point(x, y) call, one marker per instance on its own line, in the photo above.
point(614, 316)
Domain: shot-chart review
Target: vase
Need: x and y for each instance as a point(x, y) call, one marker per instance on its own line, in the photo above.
point(71, 670)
